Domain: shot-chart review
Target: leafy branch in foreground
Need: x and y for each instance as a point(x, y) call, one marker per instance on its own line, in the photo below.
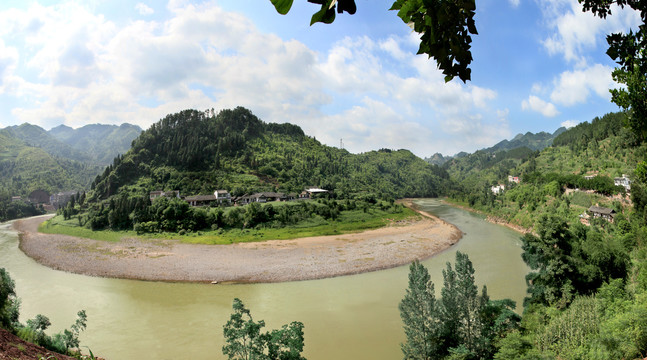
point(244, 340)
point(66, 342)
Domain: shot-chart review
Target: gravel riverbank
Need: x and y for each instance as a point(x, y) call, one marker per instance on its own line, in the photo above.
point(268, 261)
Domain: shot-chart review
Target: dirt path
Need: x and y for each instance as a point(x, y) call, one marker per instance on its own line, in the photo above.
point(269, 261)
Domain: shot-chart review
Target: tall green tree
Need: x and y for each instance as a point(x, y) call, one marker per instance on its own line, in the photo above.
point(419, 313)
point(461, 324)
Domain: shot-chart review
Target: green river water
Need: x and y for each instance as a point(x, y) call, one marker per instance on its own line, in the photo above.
point(349, 317)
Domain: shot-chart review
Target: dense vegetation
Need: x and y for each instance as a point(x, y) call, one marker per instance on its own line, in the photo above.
point(549, 179)
point(10, 210)
point(65, 342)
point(198, 152)
point(62, 159)
point(461, 324)
point(587, 289)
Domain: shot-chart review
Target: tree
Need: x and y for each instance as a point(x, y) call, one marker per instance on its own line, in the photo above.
point(547, 255)
point(462, 324)
point(419, 313)
point(9, 303)
point(244, 339)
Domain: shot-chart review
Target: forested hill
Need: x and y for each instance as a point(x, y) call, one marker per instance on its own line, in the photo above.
point(62, 159)
point(528, 140)
point(198, 152)
point(100, 142)
point(588, 156)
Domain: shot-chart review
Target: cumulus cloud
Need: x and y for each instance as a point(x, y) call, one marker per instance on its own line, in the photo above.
point(144, 9)
point(575, 31)
point(81, 67)
point(8, 61)
point(574, 87)
point(538, 105)
point(569, 123)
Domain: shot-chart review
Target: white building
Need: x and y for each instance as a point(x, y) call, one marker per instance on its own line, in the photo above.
point(623, 181)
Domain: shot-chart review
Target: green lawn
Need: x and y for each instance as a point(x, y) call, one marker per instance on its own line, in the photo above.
point(348, 222)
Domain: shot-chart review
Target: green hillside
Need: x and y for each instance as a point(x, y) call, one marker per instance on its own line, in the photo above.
point(196, 153)
point(35, 136)
point(100, 142)
point(62, 159)
point(603, 149)
point(528, 140)
point(587, 288)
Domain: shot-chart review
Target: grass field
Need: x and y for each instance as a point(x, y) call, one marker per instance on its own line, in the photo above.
point(348, 222)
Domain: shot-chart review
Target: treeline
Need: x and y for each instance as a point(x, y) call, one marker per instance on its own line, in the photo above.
point(585, 133)
point(175, 215)
point(601, 184)
point(10, 210)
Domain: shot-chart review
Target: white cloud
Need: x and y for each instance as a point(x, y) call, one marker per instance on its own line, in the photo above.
point(536, 104)
point(575, 31)
point(76, 67)
point(8, 60)
point(569, 123)
point(144, 9)
point(574, 87)
point(514, 3)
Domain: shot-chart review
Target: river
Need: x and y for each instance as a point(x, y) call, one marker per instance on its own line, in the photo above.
point(349, 317)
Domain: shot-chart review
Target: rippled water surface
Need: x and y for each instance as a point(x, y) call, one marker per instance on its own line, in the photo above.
point(350, 317)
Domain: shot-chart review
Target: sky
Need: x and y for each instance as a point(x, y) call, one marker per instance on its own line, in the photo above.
point(357, 83)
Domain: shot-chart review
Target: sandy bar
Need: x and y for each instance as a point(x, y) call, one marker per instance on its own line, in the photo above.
point(258, 262)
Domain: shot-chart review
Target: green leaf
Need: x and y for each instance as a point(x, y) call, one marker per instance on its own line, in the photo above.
point(282, 6)
point(326, 15)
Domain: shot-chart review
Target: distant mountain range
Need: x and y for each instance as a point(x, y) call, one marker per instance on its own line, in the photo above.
point(530, 140)
point(59, 159)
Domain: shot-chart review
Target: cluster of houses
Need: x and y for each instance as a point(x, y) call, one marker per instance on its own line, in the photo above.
point(498, 189)
point(224, 198)
point(623, 180)
point(49, 202)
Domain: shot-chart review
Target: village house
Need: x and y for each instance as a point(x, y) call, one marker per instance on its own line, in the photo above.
point(623, 181)
point(222, 196)
point(15, 198)
point(602, 212)
point(219, 197)
point(496, 190)
point(513, 179)
point(201, 200)
point(590, 177)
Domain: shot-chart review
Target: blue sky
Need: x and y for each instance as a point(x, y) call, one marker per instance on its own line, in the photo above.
point(538, 65)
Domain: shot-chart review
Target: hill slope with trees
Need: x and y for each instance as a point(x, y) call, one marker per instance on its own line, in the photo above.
point(197, 152)
point(587, 288)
